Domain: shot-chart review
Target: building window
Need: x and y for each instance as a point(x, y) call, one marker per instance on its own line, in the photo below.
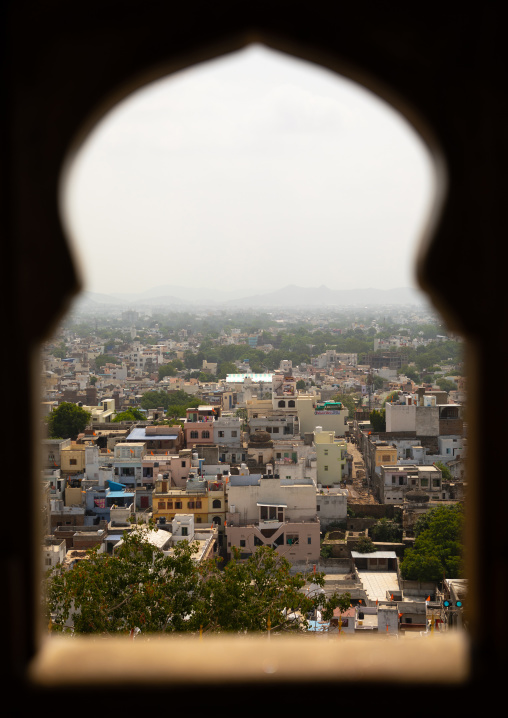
point(216, 504)
point(198, 504)
point(234, 434)
point(185, 531)
point(162, 505)
point(291, 403)
point(194, 435)
point(326, 468)
point(205, 434)
point(178, 504)
point(242, 543)
point(221, 434)
point(190, 504)
point(292, 539)
point(73, 462)
point(184, 463)
point(282, 404)
point(271, 513)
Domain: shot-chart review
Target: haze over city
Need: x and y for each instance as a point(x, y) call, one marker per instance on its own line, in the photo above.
point(253, 172)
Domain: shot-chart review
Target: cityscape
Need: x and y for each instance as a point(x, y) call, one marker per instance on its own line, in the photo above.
point(316, 451)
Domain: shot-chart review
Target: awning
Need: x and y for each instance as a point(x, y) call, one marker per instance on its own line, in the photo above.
point(284, 506)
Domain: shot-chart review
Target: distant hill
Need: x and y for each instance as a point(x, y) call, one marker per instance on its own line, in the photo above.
point(290, 296)
point(293, 296)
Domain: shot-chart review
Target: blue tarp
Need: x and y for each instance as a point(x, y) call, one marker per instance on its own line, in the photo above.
point(115, 485)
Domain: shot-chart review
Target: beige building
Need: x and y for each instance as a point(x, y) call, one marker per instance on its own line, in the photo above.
point(281, 513)
point(329, 415)
point(73, 459)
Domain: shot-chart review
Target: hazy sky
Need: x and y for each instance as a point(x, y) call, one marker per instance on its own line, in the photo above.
point(254, 170)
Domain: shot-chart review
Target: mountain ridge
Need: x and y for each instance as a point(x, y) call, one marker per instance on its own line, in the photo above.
point(291, 295)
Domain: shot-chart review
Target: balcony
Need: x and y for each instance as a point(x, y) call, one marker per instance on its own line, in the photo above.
point(200, 419)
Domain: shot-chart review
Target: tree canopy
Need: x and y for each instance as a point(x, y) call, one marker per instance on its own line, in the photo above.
point(171, 368)
point(386, 530)
point(130, 414)
point(349, 401)
point(365, 545)
point(377, 420)
point(166, 399)
point(142, 587)
point(438, 548)
point(103, 359)
point(67, 421)
point(445, 471)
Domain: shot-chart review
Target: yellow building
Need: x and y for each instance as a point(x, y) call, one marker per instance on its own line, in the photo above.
point(72, 459)
point(385, 455)
point(203, 498)
point(331, 457)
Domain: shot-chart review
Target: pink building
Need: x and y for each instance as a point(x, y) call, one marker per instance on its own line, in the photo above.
point(177, 467)
point(198, 427)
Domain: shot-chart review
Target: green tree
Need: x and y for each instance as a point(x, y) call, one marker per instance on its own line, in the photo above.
point(67, 421)
point(438, 548)
point(130, 414)
point(394, 396)
point(446, 384)
point(60, 352)
point(142, 587)
point(171, 368)
point(386, 530)
point(138, 587)
point(365, 545)
point(245, 595)
point(103, 359)
point(378, 420)
point(349, 401)
point(154, 399)
point(445, 471)
point(410, 372)
point(300, 384)
point(225, 368)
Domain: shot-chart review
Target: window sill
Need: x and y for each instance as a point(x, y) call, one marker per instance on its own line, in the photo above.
point(185, 661)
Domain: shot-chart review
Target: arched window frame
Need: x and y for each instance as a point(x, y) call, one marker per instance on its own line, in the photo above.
point(310, 54)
